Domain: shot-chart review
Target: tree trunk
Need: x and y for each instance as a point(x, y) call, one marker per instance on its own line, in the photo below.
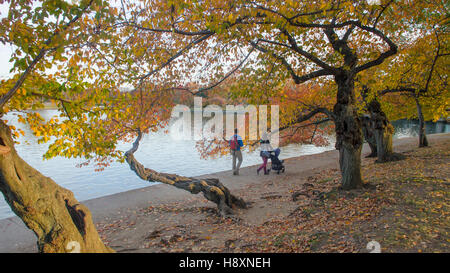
point(423, 142)
point(348, 132)
point(350, 165)
point(369, 135)
point(383, 132)
point(59, 221)
point(383, 137)
point(211, 188)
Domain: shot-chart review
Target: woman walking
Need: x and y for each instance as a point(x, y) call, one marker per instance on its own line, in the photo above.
point(265, 149)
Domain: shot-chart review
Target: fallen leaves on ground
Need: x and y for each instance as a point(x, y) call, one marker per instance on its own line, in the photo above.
point(404, 206)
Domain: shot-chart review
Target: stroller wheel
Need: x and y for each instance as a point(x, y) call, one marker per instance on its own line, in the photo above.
point(278, 172)
point(282, 170)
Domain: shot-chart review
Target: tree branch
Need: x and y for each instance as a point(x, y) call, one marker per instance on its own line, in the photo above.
point(392, 48)
point(5, 98)
point(297, 79)
point(305, 54)
point(211, 188)
point(397, 90)
point(381, 12)
point(175, 56)
point(204, 89)
point(436, 57)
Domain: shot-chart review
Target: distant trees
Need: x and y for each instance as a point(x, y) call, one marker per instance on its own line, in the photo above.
point(423, 78)
point(415, 83)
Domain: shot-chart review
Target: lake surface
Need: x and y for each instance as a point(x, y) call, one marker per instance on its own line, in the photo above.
point(158, 151)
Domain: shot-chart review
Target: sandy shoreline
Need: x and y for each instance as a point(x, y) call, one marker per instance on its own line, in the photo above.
point(15, 237)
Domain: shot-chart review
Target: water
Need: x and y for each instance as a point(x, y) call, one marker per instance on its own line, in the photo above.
point(157, 151)
point(408, 128)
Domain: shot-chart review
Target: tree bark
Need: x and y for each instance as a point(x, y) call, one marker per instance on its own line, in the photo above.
point(423, 142)
point(211, 188)
point(369, 135)
point(59, 221)
point(383, 137)
point(348, 132)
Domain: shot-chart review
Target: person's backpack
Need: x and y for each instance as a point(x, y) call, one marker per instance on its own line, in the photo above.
point(234, 143)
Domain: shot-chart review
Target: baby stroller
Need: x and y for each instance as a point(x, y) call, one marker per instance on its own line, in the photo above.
point(276, 163)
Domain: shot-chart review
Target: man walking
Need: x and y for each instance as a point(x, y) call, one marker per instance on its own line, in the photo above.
point(235, 146)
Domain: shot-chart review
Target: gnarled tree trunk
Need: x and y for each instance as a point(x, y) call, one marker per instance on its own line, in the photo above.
point(211, 188)
point(59, 221)
point(383, 137)
point(348, 132)
point(383, 132)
